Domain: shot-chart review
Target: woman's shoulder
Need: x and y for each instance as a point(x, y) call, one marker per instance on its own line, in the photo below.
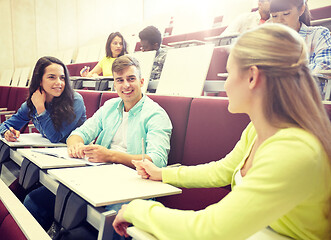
point(314, 30)
point(294, 140)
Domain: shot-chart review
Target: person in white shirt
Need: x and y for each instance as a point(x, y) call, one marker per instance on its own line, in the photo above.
point(250, 20)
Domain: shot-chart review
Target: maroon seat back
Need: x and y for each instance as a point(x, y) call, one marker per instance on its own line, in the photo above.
point(91, 101)
point(74, 69)
point(178, 109)
point(328, 109)
point(4, 96)
point(201, 35)
point(218, 63)
point(106, 96)
point(21, 96)
point(211, 133)
point(321, 13)
point(9, 229)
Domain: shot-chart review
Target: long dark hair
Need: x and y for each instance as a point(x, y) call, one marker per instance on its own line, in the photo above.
point(284, 5)
point(63, 106)
point(110, 39)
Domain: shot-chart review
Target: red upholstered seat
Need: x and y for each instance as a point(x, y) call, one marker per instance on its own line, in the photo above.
point(321, 13)
point(218, 63)
point(178, 109)
point(91, 101)
point(4, 96)
point(211, 133)
point(74, 69)
point(106, 96)
point(3, 212)
point(9, 230)
point(16, 96)
point(328, 109)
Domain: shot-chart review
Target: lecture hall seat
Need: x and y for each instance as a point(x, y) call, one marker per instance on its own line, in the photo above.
point(211, 133)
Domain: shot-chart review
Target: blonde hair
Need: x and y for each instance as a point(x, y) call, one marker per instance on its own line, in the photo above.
point(292, 96)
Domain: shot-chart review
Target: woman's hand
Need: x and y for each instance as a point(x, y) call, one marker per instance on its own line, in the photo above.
point(38, 99)
point(146, 169)
point(120, 224)
point(12, 135)
point(85, 71)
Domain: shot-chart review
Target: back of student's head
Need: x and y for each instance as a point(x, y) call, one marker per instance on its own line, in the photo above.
point(284, 5)
point(291, 96)
point(110, 39)
point(151, 34)
point(62, 105)
point(123, 62)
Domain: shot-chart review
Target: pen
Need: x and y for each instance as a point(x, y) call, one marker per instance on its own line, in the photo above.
point(11, 131)
point(85, 69)
point(49, 154)
point(143, 148)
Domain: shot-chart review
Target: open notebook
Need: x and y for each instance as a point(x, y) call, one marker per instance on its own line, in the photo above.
point(32, 140)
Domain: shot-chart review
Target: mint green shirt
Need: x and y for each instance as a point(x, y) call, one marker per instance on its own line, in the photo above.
point(146, 120)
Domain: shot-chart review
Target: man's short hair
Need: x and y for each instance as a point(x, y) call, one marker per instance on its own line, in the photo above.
point(124, 62)
point(151, 34)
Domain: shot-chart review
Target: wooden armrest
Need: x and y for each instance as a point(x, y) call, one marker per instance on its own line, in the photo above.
point(138, 234)
point(27, 223)
point(7, 112)
point(8, 116)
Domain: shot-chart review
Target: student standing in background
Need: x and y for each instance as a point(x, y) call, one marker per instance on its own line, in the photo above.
point(115, 47)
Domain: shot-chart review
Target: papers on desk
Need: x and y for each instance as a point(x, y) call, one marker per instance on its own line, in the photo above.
point(61, 152)
point(110, 184)
point(32, 140)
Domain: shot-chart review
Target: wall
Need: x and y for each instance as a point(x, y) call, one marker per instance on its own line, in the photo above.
point(34, 28)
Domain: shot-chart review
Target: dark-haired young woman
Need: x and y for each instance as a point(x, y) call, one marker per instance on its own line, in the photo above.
point(115, 47)
point(54, 108)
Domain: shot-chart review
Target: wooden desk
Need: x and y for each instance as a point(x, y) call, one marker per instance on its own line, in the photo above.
point(213, 86)
point(146, 61)
point(32, 140)
point(110, 184)
point(185, 71)
point(187, 43)
point(81, 82)
point(47, 162)
point(325, 75)
point(222, 40)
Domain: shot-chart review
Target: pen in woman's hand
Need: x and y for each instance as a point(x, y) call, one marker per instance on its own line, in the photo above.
point(14, 134)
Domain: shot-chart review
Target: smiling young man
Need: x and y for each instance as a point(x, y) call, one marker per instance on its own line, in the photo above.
point(122, 122)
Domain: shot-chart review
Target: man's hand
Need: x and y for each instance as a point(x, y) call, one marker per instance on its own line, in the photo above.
point(97, 153)
point(76, 150)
